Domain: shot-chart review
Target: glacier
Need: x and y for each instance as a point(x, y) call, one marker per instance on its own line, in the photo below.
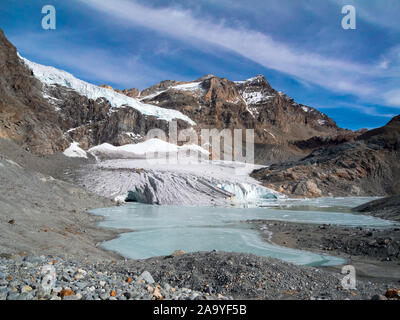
point(249, 193)
point(194, 183)
point(52, 76)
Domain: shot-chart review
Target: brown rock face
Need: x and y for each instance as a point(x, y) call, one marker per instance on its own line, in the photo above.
point(106, 86)
point(133, 93)
point(282, 127)
point(25, 116)
point(366, 166)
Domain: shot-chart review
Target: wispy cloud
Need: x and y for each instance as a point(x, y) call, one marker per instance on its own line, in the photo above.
point(340, 76)
point(369, 110)
point(392, 98)
point(88, 62)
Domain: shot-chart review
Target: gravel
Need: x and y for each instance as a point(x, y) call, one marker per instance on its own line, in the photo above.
point(193, 276)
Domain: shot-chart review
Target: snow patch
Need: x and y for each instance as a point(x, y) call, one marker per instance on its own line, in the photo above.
point(193, 86)
point(144, 149)
point(74, 151)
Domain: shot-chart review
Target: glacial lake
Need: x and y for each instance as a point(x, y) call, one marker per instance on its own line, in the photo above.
point(160, 230)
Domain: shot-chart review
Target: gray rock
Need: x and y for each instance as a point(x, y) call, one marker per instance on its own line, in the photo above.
point(81, 285)
point(73, 297)
point(13, 296)
point(25, 296)
point(146, 276)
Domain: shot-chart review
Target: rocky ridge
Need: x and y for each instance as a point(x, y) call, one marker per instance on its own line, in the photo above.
point(366, 166)
point(386, 208)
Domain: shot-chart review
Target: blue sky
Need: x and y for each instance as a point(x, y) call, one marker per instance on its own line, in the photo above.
point(300, 47)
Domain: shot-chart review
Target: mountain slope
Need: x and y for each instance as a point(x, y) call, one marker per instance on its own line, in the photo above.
point(25, 116)
point(46, 110)
point(368, 166)
point(284, 130)
point(214, 102)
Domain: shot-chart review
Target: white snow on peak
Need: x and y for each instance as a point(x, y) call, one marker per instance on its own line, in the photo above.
point(52, 76)
point(321, 122)
point(255, 97)
point(305, 109)
point(192, 86)
point(74, 151)
point(256, 78)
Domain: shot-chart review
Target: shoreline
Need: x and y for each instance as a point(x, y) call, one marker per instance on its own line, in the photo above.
point(375, 256)
point(46, 216)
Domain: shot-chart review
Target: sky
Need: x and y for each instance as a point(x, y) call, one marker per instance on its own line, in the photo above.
point(300, 46)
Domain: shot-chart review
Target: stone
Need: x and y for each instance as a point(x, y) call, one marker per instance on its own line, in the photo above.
point(81, 285)
point(157, 294)
point(25, 296)
point(392, 294)
point(146, 276)
point(104, 296)
point(26, 289)
point(13, 296)
point(73, 297)
point(178, 253)
point(66, 293)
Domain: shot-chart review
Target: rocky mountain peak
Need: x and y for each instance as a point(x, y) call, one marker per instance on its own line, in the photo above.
point(106, 86)
point(395, 121)
point(207, 76)
point(218, 89)
point(163, 85)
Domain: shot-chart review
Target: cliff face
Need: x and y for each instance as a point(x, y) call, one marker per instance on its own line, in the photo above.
point(368, 166)
point(25, 116)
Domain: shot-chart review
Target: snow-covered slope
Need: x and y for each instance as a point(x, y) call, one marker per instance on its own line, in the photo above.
point(142, 149)
point(52, 76)
point(74, 151)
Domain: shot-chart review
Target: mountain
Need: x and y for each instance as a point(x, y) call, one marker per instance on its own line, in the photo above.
point(46, 110)
point(283, 128)
point(367, 166)
point(214, 102)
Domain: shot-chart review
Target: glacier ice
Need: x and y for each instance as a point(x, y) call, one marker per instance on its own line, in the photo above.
point(51, 76)
point(245, 193)
point(212, 183)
